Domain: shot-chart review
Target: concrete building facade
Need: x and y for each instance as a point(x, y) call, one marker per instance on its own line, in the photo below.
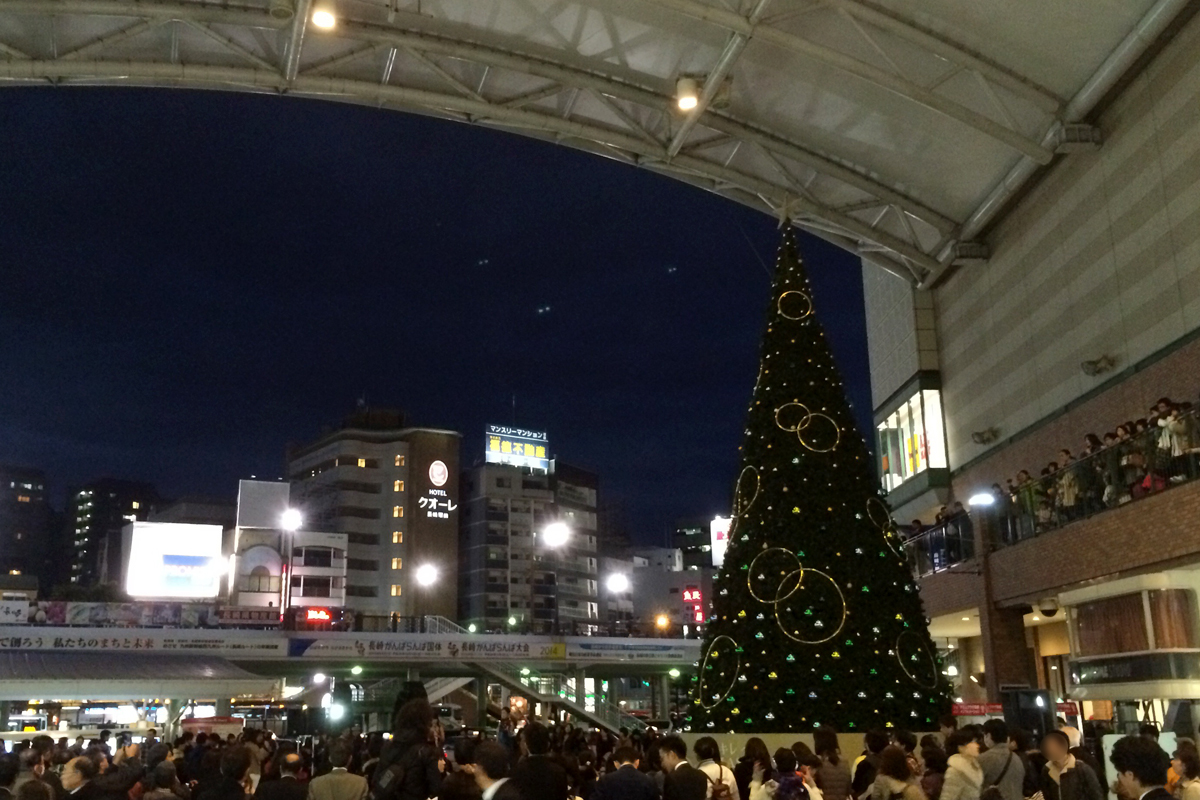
point(393, 490)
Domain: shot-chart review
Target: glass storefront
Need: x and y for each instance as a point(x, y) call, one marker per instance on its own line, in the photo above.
point(912, 439)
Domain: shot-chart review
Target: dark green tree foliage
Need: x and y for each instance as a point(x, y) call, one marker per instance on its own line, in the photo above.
point(817, 620)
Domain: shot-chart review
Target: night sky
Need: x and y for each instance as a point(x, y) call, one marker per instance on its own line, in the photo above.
point(190, 281)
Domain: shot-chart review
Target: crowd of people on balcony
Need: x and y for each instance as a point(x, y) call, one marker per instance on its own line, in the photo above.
point(1136, 458)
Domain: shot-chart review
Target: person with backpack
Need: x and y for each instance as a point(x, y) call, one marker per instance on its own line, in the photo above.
point(894, 778)
point(721, 784)
point(964, 777)
point(410, 767)
point(786, 783)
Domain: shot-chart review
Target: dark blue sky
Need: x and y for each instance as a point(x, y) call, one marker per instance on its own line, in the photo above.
point(193, 280)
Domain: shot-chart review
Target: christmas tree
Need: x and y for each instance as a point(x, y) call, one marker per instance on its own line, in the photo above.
point(816, 617)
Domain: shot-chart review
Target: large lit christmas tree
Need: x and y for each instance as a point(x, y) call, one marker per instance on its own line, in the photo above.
point(817, 620)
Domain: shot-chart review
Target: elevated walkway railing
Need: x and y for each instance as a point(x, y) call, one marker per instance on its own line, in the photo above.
point(550, 689)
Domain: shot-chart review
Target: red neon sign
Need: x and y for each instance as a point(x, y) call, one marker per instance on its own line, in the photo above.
point(318, 615)
point(691, 595)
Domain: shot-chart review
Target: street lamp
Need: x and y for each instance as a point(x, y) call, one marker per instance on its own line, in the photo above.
point(662, 622)
point(427, 575)
point(556, 534)
point(290, 521)
point(617, 583)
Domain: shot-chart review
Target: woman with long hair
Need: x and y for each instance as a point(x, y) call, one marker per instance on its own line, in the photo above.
point(894, 779)
point(754, 757)
point(410, 767)
point(833, 776)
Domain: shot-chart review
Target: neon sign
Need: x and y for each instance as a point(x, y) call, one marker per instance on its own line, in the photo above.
point(318, 615)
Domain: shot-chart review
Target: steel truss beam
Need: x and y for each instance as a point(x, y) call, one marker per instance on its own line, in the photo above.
point(458, 107)
point(896, 84)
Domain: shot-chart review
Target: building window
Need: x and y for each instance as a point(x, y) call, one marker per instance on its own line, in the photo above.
point(362, 462)
point(397, 511)
point(14, 572)
point(136, 505)
point(912, 439)
point(397, 537)
point(399, 461)
point(22, 498)
point(398, 486)
point(395, 590)
point(397, 563)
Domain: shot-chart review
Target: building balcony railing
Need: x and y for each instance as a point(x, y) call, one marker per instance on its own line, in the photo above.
point(1141, 465)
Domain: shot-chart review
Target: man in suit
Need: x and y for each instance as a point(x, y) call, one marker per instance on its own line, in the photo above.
point(491, 773)
point(625, 782)
point(1141, 767)
point(538, 776)
point(288, 787)
point(681, 781)
point(340, 783)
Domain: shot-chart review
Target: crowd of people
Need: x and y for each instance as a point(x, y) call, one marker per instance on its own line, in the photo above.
point(529, 760)
point(1136, 458)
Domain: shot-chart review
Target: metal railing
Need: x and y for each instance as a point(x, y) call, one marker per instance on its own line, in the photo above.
point(1136, 466)
point(548, 687)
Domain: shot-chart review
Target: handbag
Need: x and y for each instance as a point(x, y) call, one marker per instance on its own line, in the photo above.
point(993, 792)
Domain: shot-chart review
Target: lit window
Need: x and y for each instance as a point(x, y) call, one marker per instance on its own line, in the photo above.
point(398, 486)
point(14, 572)
point(362, 462)
point(20, 536)
point(22, 498)
point(399, 461)
point(136, 505)
point(397, 511)
point(397, 537)
point(397, 563)
point(395, 590)
point(912, 439)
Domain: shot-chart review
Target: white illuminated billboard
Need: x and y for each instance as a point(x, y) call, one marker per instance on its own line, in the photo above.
point(171, 559)
point(518, 447)
point(719, 533)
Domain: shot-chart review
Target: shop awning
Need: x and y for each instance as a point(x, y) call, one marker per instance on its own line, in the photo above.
point(130, 676)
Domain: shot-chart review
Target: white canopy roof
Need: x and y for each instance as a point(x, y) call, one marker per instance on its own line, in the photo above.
point(896, 128)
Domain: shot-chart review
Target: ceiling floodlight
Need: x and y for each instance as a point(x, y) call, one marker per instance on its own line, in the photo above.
point(323, 17)
point(687, 94)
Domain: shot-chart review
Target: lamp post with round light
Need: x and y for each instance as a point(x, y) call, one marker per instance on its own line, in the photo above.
point(426, 577)
point(289, 522)
point(617, 584)
point(555, 537)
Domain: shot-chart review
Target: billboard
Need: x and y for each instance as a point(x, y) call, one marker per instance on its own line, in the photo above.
point(517, 447)
point(171, 559)
point(719, 533)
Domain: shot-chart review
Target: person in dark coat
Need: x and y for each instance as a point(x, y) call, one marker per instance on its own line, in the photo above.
point(8, 774)
point(626, 782)
point(491, 773)
point(235, 768)
point(681, 781)
point(410, 767)
point(1141, 767)
point(287, 786)
point(1064, 777)
point(539, 776)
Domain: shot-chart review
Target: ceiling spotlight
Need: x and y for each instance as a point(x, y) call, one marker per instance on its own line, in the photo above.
point(324, 18)
point(687, 94)
point(981, 499)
